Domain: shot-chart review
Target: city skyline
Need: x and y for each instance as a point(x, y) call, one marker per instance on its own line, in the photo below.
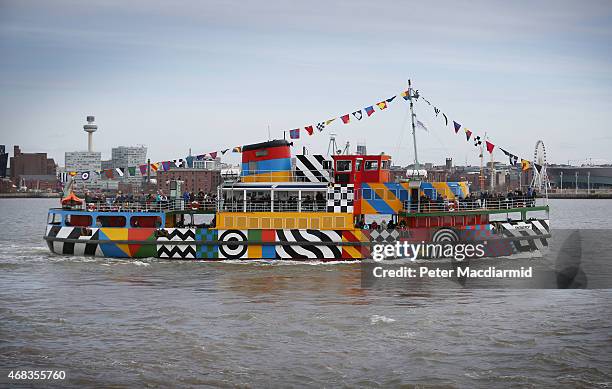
point(202, 77)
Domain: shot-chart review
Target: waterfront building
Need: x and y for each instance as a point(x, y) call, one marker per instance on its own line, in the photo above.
point(3, 161)
point(194, 179)
point(30, 164)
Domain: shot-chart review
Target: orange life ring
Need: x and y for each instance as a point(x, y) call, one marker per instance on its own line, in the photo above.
point(451, 206)
point(91, 207)
point(195, 205)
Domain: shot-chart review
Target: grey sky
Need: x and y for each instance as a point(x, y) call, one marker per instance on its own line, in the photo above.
point(208, 74)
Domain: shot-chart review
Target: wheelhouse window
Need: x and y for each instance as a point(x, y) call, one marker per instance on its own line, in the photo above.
point(385, 164)
point(145, 221)
point(358, 164)
point(371, 165)
point(343, 166)
point(78, 220)
point(54, 218)
point(110, 221)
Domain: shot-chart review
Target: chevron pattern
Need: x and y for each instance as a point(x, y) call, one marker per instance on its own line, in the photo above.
point(180, 234)
point(175, 251)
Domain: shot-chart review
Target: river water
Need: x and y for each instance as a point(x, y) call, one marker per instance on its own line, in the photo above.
point(170, 323)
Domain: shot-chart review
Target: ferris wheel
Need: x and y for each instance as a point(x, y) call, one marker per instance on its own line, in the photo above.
point(540, 179)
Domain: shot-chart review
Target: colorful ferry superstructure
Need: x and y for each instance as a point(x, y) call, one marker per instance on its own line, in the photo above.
point(313, 209)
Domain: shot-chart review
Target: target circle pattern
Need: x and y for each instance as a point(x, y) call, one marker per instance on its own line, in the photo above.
point(445, 235)
point(232, 251)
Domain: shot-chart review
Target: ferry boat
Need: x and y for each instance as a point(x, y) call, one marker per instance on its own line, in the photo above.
point(314, 209)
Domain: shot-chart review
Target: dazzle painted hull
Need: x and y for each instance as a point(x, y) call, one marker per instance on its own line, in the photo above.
point(501, 239)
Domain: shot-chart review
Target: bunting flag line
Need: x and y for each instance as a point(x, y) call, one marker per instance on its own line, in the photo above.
point(457, 126)
point(525, 164)
point(293, 133)
point(382, 105)
point(85, 176)
point(513, 159)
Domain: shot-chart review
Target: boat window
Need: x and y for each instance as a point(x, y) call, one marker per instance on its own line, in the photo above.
point(54, 218)
point(78, 220)
point(203, 220)
point(327, 165)
point(366, 194)
point(371, 165)
point(358, 164)
point(110, 221)
point(285, 201)
point(343, 166)
point(233, 195)
point(145, 221)
point(385, 165)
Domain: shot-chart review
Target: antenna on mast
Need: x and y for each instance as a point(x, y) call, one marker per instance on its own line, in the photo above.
point(332, 145)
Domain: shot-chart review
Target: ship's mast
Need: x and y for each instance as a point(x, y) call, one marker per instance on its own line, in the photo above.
point(481, 178)
point(412, 117)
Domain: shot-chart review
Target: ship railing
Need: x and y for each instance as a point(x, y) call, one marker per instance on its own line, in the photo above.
point(468, 205)
point(276, 206)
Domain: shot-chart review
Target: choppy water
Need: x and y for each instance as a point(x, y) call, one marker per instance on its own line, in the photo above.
point(162, 323)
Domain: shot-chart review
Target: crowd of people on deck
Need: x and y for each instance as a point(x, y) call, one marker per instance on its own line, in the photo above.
point(148, 200)
point(482, 200)
point(263, 200)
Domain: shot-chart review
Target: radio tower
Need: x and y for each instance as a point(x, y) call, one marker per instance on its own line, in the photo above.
point(90, 128)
